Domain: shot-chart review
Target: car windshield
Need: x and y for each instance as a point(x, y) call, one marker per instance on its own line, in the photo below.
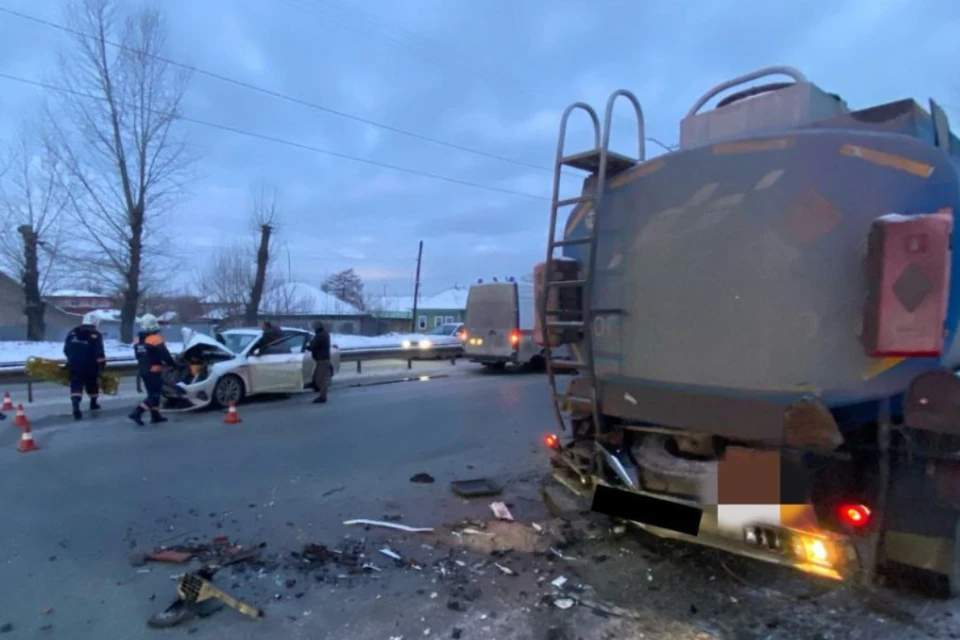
point(237, 342)
point(444, 330)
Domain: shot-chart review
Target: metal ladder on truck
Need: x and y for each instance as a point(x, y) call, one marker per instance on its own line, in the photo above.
point(602, 164)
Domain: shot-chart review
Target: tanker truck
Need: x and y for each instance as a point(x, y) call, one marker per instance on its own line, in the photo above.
point(765, 329)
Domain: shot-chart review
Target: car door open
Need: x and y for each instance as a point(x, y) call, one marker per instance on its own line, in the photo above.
point(278, 367)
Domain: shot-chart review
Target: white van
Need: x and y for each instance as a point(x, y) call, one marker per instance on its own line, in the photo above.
point(499, 327)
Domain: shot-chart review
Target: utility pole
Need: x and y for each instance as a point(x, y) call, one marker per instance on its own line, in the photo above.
point(416, 290)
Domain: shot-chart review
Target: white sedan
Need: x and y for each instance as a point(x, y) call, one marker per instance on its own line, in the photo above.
point(238, 364)
point(445, 338)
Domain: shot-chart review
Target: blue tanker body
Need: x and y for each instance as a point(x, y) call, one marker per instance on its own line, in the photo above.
point(775, 303)
point(792, 329)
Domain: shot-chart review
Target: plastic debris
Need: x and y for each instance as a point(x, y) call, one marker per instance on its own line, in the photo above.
point(563, 603)
point(423, 478)
point(536, 527)
point(508, 571)
point(388, 525)
point(501, 511)
point(475, 532)
point(559, 582)
point(391, 554)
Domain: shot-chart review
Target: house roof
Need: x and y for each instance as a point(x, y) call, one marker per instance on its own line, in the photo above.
point(298, 298)
point(75, 293)
point(453, 298)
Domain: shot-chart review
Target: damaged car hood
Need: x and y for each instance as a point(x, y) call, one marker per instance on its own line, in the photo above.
point(193, 339)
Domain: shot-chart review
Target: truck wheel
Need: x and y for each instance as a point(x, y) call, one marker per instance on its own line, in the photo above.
point(953, 579)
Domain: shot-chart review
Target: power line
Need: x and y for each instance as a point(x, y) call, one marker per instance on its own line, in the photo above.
point(289, 143)
point(277, 94)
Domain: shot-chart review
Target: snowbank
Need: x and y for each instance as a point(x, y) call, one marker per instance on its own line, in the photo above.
point(16, 353)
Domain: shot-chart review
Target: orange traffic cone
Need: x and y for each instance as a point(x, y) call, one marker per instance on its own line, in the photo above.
point(26, 441)
point(7, 402)
point(21, 418)
point(232, 416)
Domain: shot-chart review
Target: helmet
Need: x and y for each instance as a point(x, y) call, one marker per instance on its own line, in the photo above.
point(149, 322)
point(91, 319)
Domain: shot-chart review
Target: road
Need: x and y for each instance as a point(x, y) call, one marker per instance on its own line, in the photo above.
point(292, 472)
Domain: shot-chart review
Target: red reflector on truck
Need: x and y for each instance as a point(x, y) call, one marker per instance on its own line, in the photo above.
point(855, 515)
point(551, 441)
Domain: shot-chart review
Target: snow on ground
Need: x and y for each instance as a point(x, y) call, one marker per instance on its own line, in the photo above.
point(13, 353)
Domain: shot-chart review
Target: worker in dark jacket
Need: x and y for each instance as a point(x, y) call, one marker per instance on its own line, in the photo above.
point(320, 351)
point(152, 357)
point(85, 360)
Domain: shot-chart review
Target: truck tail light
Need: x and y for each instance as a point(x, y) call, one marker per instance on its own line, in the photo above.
point(515, 337)
point(552, 441)
point(856, 516)
point(908, 263)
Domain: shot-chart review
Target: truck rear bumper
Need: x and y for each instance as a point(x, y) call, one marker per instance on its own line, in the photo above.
point(816, 552)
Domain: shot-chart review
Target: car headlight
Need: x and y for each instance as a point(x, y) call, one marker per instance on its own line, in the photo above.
point(405, 344)
point(425, 344)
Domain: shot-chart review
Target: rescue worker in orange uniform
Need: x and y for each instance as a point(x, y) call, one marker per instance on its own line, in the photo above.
point(152, 357)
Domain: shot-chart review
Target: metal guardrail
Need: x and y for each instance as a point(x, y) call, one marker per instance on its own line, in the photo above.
point(14, 372)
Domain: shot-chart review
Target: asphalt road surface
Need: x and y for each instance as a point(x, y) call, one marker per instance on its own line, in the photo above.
point(292, 472)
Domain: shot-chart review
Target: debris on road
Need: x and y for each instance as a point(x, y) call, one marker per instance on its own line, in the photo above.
point(194, 589)
point(563, 603)
point(475, 488)
point(388, 525)
point(336, 489)
point(501, 511)
point(391, 554)
point(559, 582)
point(423, 478)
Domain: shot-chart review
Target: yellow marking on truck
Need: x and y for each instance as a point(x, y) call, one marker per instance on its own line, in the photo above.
point(890, 160)
point(578, 214)
point(880, 365)
point(629, 176)
point(576, 353)
point(751, 146)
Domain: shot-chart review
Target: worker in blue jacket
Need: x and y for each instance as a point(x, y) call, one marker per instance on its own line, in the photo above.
point(152, 357)
point(85, 361)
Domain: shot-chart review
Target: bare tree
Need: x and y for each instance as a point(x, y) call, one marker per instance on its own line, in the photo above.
point(33, 200)
point(265, 213)
point(241, 275)
point(114, 132)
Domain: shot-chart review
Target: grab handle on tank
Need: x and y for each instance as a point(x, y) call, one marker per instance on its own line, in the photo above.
point(748, 77)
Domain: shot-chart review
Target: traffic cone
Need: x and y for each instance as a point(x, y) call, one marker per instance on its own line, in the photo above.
point(26, 441)
point(7, 402)
point(20, 420)
point(232, 416)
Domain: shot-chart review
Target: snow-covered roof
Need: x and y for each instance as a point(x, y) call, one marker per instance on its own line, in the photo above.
point(453, 298)
point(298, 298)
point(76, 293)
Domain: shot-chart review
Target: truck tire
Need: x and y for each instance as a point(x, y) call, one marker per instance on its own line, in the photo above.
point(662, 470)
point(494, 366)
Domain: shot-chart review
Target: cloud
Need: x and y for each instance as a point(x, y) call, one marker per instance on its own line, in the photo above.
point(493, 76)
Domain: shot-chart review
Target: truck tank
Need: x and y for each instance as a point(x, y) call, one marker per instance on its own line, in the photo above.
point(764, 329)
point(752, 267)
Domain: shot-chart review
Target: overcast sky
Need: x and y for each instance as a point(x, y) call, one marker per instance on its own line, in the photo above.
point(490, 75)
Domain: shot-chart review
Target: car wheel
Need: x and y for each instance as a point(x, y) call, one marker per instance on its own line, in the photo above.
point(228, 389)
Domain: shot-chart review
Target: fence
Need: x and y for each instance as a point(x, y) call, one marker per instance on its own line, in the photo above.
point(15, 374)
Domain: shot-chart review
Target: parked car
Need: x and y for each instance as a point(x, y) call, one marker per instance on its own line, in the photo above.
point(437, 343)
point(236, 364)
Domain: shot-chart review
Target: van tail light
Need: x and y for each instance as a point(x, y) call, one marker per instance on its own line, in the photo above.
point(552, 441)
point(856, 516)
point(463, 334)
point(515, 337)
